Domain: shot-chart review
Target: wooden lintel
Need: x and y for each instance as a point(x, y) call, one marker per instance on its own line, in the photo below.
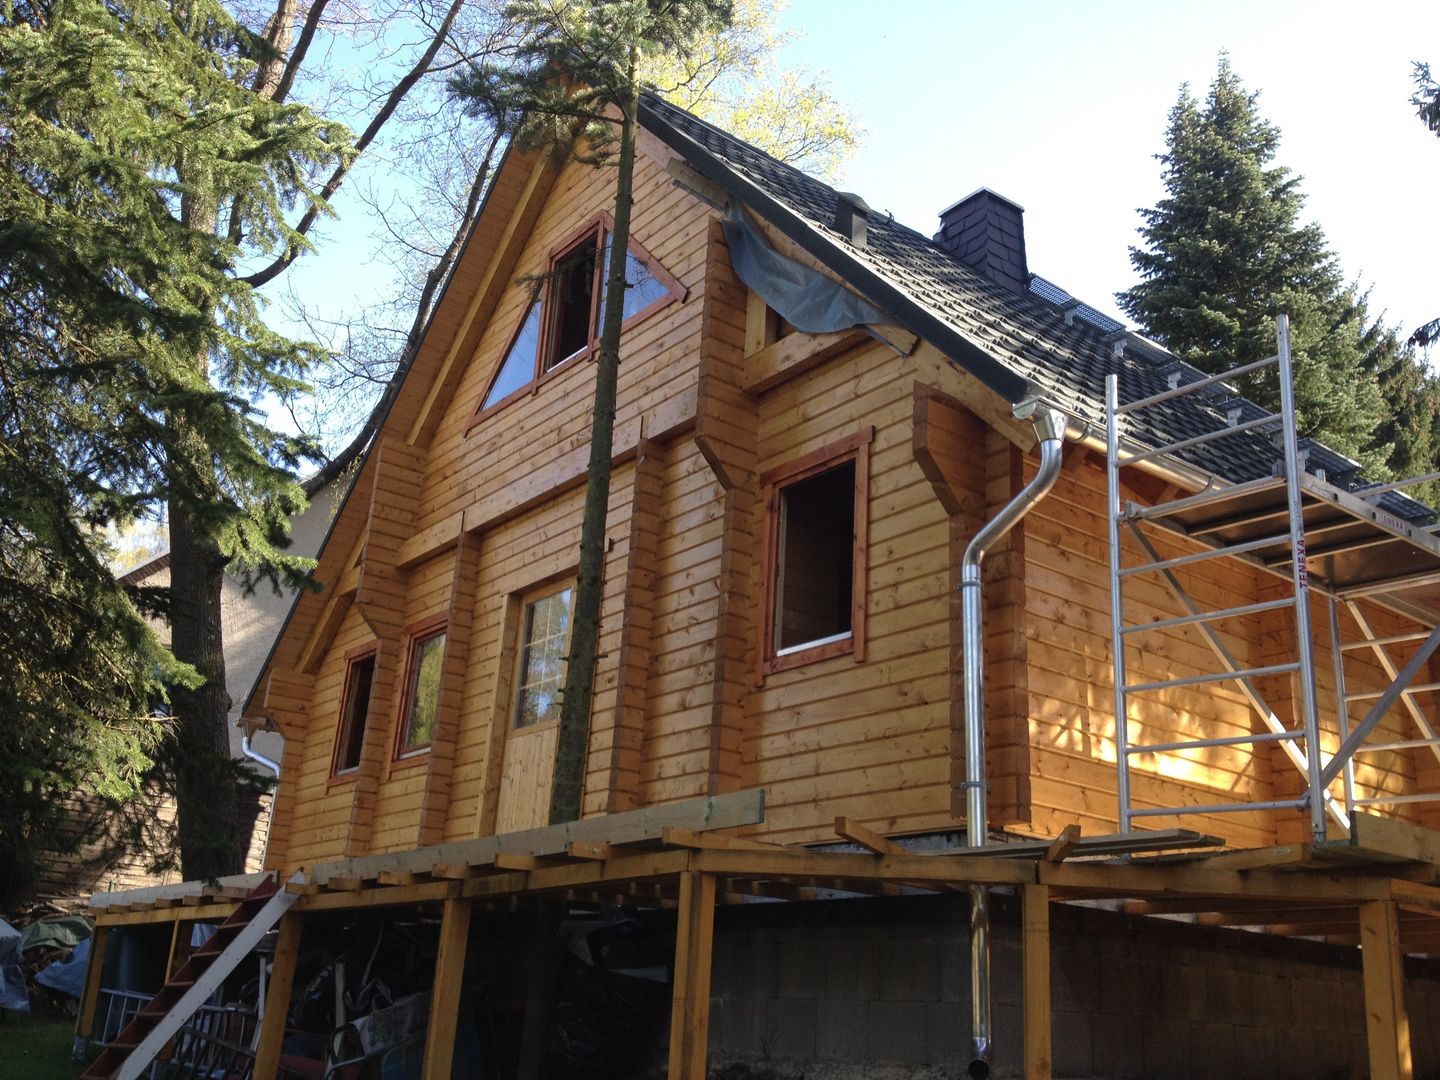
point(793, 354)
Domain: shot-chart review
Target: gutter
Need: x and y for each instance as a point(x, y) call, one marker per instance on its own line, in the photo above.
point(1050, 427)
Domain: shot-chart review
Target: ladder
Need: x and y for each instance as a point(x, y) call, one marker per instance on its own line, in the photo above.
point(127, 1057)
point(1300, 744)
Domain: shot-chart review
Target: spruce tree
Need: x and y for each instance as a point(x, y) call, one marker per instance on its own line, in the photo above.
point(138, 168)
point(1225, 252)
point(575, 75)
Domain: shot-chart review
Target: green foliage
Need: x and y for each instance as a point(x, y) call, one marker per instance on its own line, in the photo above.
point(131, 351)
point(1225, 252)
point(1426, 100)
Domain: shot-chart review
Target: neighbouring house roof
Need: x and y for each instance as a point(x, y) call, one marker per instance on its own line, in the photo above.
point(1019, 344)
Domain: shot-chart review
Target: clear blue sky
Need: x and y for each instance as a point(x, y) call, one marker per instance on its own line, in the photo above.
point(1061, 107)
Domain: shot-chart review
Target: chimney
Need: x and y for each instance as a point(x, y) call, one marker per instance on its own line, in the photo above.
point(987, 231)
point(852, 217)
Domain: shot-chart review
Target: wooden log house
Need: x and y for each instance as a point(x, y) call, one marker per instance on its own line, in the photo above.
point(787, 519)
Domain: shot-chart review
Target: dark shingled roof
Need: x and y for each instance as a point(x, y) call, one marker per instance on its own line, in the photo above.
point(1017, 343)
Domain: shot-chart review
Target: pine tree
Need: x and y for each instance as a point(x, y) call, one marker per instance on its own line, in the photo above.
point(1225, 252)
point(575, 74)
point(137, 168)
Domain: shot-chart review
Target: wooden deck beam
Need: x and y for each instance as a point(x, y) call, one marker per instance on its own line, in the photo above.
point(690, 1005)
point(277, 996)
point(1386, 1024)
point(1035, 984)
point(449, 982)
point(90, 995)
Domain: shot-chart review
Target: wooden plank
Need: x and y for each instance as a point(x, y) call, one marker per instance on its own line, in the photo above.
point(801, 864)
point(277, 996)
point(866, 838)
point(445, 995)
point(1035, 934)
point(1399, 839)
point(90, 995)
point(1260, 858)
point(422, 892)
point(795, 353)
point(1386, 1025)
point(216, 912)
point(1140, 881)
point(716, 812)
point(692, 838)
point(1064, 845)
point(690, 1003)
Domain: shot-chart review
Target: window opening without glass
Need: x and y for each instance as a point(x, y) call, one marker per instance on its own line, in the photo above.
point(422, 694)
point(545, 637)
point(354, 711)
point(562, 321)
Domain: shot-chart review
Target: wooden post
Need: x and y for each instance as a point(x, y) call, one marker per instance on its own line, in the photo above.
point(277, 997)
point(690, 1006)
point(1035, 920)
point(90, 996)
point(1386, 1025)
point(449, 981)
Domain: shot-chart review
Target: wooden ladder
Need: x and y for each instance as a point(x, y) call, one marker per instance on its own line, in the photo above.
point(190, 987)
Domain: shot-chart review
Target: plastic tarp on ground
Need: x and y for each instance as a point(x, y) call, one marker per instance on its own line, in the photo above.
point(67, 976)
point(13, 995)
point(57, 932)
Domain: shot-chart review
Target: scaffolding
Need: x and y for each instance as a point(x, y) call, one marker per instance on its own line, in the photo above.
point(1330, 545)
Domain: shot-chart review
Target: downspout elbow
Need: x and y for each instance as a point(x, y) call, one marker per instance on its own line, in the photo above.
point(257, 757)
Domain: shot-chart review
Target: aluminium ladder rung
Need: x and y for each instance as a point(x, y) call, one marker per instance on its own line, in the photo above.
point(1402, 744)
point(1210, 616)
point(1203, 498)
point(1199, 440)
point(1223, 676)
point(1413, 688)
point(1190, 388)
point(1228, 740)
point(1202, 556)
point(1218, 808)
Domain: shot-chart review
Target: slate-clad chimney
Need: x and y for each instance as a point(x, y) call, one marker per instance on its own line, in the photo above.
point(987, 231)
point(852, 217)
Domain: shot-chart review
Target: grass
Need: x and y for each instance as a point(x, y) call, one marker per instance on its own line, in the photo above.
point(36, 1047)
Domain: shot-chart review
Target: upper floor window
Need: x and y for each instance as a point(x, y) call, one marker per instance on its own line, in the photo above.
point(562, 321)
point(354, 710)
point(815, 555)
point(426, 656)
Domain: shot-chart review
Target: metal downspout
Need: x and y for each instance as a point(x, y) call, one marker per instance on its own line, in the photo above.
point(1050, 425)
point(256, 756)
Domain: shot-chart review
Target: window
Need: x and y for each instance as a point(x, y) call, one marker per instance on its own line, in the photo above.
point(563, 319)
point(354, 710)
point(422, 688)
point(544, 639)
point(816, 510)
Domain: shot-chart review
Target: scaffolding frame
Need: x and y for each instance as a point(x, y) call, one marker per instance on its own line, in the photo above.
point(1285, 524)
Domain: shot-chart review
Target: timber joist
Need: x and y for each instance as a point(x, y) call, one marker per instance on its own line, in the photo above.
point(641, 857)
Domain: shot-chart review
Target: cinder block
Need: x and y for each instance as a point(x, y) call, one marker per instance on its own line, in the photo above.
point(1117, 1047)
point(852, 971)
point(947, 1033)
point(909, 971)
point(953, 960)
point(1071, 1040)
point(842, 1030)
point(801, 969)
point(897, 1032)
point(792, 1028)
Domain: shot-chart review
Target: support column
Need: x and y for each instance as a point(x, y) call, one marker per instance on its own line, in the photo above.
point(1035, 933)
point(90, 996)
point(1386, 1025)
point(690, 1006)
point(449, 981)
point(277, 997)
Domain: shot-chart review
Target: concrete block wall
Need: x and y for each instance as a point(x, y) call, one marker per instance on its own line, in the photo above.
point(856, 987)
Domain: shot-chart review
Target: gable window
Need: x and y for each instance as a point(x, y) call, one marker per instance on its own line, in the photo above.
point(544, 641)
point(815, 555)
point(422, 688)
point(562, 321)
point(354, 710)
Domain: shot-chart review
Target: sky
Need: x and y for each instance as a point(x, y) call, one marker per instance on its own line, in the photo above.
point(1061, 107)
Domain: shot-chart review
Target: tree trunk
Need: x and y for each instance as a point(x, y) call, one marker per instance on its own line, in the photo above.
point(213, 832)
point(573, 738)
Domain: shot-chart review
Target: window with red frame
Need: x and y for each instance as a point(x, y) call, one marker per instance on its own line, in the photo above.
point(422, 691)
point(562, 321)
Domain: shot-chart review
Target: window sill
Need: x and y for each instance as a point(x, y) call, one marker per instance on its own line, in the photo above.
point(349, 776)
point(409, 760)
point(811, 652)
